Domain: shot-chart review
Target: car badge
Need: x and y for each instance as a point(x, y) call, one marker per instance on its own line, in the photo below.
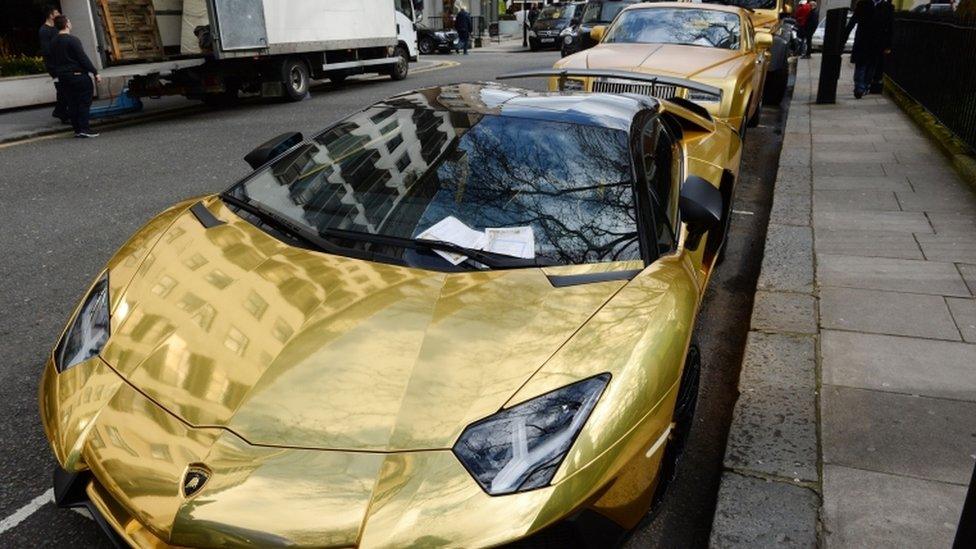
point(194, 480)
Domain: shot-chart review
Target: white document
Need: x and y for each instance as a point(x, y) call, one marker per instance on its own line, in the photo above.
point(451, 229)
point(513, 241)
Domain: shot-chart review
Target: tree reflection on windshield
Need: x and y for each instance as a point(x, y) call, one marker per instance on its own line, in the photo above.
point(398, 171)
point(696, 27)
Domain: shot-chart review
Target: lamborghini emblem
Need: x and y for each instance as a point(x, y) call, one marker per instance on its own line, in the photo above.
point(194, 480)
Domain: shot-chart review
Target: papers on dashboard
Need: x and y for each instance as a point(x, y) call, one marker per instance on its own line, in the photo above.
point(513, 241)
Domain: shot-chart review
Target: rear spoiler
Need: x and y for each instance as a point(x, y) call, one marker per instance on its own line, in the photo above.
point(564, 74)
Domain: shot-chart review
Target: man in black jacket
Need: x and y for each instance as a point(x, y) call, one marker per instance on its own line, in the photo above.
point(71, 66)
point(875, 20)
point(45, 34)
point(463, 26)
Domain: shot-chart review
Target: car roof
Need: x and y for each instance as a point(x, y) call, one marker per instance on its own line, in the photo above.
point(686, 5)
point(489, 98)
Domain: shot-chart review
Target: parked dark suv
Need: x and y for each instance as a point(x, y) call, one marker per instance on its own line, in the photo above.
point(547, 30)
point(596, 12)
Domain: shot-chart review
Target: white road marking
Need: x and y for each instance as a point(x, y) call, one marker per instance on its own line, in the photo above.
point(83, 512)
point(20, 515)
point(742, 212)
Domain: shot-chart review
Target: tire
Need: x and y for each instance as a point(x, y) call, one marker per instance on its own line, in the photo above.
point(683, 418)
point(295, 79)
point(754, 119)
point(425, 46)
point(775, 88)
point(401, 68)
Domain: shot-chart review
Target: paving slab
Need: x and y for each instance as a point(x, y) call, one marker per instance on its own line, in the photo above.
point(754, 512)
point(969, 275)
point(784, 312)
point(921, 437)
point(950, 223)
point(890, 313)
point(906, 222)
point(788, 261)
point(941, 200)
point(794, 157)
point(854, 199)
point(923, 172)
point(896, 364)
point(793, 180)
point(871, 182)
point(869, 509)
point(841, 137)
point(852, 156)
point(954, 246)
point(964, 313)
point(867, 243)
point(848, 169)
point(790, 208)
point(897, 275)
point(774, 424)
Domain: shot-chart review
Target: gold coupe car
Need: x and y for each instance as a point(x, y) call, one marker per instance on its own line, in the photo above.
point(459, 317)
point(711, 44)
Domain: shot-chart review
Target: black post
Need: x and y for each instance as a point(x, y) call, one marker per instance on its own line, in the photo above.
point(966, 534)
point(833, 49)
point(525, 26)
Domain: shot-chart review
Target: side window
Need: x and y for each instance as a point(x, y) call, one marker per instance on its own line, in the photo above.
point(405, 7)
point(662, 170)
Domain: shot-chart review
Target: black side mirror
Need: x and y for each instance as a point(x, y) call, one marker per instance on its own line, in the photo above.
point(272, 148)
point(701, 209)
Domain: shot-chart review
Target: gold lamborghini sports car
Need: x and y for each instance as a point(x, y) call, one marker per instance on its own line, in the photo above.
point(710, 44)
point(459, 317)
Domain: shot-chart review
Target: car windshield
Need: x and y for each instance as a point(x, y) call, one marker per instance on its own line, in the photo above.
point(747, 4)
point(694, 27)
point(557, 12)
point(398, 171)
point(602, 12)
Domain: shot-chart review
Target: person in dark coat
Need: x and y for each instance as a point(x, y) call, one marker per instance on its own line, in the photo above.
point(45, 34)
point(464, 28)
point(875, 20)
point(72, 67)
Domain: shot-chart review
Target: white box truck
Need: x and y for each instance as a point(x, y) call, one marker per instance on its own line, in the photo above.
point(216, 49)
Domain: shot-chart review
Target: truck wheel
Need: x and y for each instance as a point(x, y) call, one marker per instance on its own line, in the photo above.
point(402, 67)
point(295, 77)
point(775, 88)
point(425, 46)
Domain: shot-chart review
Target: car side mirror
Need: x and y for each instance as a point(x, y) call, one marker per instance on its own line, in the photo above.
point(701, 207)
point(263, 153)
point(764, 40)
point(597, 33)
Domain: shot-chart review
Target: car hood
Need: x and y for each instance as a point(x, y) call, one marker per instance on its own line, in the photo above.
point(667, 59)
point(228, 327)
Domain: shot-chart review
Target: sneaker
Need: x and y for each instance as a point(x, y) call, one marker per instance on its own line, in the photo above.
point(86, 135)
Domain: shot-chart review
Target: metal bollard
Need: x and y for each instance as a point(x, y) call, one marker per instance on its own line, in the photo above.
point(835, 36)
point(966, 534)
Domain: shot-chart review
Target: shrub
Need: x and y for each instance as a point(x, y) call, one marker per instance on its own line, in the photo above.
point(20, 65)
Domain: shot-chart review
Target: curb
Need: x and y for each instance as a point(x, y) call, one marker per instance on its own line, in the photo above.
point(959, 154)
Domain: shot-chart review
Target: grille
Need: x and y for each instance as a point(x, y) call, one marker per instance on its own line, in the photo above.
point(663, 91)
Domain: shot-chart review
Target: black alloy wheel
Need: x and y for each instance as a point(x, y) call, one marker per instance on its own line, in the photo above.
point(426, 46)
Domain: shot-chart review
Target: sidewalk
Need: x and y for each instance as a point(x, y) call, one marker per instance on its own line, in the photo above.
point(855, 421)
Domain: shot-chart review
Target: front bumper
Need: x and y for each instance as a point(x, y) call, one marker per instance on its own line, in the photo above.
point(125, 458)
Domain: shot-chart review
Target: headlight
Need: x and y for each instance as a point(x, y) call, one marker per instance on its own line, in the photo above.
point(520, 448)
point(572, 84)
point(702, 97)
point(568, 31)
point(88, 331)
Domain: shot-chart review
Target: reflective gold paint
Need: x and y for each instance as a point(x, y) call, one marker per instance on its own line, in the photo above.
point(739, 73)
point(323, 393)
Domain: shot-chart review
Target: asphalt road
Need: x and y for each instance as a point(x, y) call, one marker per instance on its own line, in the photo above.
point(67, 204)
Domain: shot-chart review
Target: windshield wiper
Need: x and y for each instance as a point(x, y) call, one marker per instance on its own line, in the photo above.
point(304, 234)
point(489, 259)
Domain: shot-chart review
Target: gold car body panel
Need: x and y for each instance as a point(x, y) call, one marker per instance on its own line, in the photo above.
point(328, 326)
point(739, 73)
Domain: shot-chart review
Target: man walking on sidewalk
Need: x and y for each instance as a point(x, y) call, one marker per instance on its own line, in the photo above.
point(45, 35)
point(462, 24)
point(874, 20)
point(72, 67)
